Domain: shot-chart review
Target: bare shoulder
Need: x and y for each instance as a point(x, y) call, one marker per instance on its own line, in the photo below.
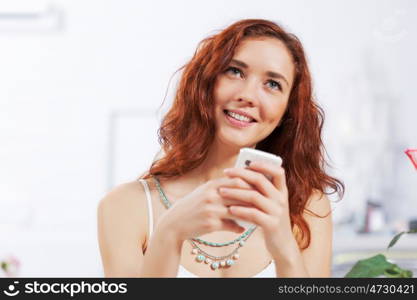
point(318, 203)
point(318, 255)
point(124, 208)
point(121, 228)
point(125, 197)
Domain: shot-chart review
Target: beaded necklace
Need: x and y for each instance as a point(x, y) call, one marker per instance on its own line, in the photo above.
point(215, 262)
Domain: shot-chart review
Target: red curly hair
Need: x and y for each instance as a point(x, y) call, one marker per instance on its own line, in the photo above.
point(188, 129)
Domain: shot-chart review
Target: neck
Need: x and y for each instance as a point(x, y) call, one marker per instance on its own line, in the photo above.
point(219, 157)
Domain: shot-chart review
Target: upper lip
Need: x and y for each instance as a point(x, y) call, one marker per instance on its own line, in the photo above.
point(241, 112)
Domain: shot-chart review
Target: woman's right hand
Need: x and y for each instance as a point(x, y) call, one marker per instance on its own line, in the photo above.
point(203, 210)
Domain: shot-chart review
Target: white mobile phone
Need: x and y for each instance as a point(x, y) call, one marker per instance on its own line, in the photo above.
point(247, 155)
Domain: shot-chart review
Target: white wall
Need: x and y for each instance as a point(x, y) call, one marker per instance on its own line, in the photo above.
point(83, 74)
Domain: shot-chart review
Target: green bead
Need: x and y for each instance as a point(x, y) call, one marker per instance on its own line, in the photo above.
point(229, 262)
point(215, 265)
point(200, 258)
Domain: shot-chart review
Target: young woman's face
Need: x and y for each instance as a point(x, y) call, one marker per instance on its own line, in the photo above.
point(257, 83)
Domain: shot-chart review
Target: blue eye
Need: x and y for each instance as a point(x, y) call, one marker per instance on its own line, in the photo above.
point(236, 71)
point(275, 85)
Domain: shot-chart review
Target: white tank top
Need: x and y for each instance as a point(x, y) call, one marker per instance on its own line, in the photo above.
point(269, 271)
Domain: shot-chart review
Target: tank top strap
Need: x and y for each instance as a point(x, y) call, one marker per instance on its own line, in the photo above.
point(149, 200)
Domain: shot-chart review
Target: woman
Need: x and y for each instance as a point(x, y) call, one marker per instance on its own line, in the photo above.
point(247, 86)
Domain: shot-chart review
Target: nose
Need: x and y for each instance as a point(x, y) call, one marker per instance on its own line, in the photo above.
point(248, 93)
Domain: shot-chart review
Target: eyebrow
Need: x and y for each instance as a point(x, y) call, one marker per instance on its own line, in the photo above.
point(269, 73)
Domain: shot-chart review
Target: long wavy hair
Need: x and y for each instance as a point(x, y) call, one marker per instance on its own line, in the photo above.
point(188, 128)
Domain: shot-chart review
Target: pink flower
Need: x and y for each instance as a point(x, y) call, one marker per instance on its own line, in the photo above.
point(10, 266)
point(412, 154)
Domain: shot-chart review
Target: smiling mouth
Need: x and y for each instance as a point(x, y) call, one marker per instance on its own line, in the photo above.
point(238, 121)
point(239, 118)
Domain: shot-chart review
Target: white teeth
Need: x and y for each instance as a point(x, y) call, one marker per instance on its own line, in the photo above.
point(239, 117)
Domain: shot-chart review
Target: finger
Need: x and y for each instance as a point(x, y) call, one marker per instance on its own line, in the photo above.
point(256, 179)
point(277, 173)
point(234, 182)
point(228, 222)
point(281, 181)
point(252, 215)
point(223, 211)
point(225, 214)
point(250, 197)
point(229, 202)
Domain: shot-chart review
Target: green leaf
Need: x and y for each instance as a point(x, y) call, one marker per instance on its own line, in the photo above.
point(377, 266)
point(397, 272)
point(397, 237)
point(408, 274)
point(391, 273)
point(369, 267)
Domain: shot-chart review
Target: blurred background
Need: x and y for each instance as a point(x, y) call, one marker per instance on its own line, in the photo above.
point(82, 84)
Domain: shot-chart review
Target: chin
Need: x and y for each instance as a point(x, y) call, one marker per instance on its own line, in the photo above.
point(233, 140)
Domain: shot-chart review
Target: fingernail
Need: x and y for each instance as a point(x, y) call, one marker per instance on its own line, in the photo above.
point(226, 170)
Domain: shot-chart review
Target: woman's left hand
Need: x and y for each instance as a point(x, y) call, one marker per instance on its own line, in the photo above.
point(268, 204)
